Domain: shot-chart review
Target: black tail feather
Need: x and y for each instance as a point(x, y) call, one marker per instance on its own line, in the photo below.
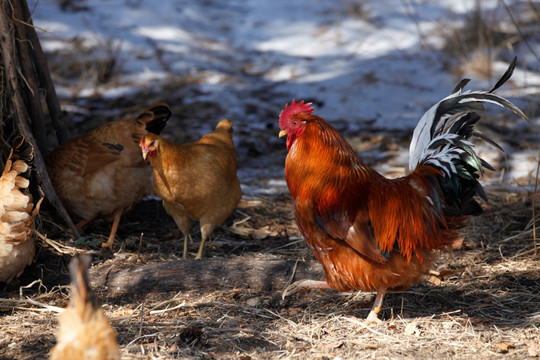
point(443, 139)
point(460, 85)
point(156, 118)
point(507, 75)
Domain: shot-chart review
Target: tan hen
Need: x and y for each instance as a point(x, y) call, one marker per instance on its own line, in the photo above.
point(197, 181)
point(17, 212)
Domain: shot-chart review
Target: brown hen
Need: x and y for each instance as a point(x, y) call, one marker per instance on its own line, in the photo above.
point(102, 174)
point(17, 211)
point(197, 181)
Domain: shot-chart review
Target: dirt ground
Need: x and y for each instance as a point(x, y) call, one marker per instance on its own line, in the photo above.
point(487, 304)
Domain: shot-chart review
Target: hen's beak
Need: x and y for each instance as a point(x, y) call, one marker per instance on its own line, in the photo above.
point(282, 133)
point(144, 153)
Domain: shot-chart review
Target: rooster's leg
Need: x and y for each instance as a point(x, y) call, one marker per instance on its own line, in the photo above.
point(377, 305)
point(114, 228)
point(302, 285)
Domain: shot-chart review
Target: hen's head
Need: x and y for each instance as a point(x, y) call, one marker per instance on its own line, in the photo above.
point(292, 120)
point(225, 124)
point(149, 145)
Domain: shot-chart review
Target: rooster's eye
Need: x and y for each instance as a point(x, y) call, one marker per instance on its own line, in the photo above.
point(295, 122)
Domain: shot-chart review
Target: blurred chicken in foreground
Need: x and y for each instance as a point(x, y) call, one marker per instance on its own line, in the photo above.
point(17, 211)
point(102, 174)
point(197, 181)
point(84, 332)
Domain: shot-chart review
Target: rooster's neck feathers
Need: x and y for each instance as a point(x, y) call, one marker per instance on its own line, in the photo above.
point(321, 151)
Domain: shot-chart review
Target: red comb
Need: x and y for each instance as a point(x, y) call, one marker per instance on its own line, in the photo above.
point(293, 109)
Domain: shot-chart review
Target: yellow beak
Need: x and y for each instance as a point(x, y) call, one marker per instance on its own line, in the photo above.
point(144, 154)
point(282, 133)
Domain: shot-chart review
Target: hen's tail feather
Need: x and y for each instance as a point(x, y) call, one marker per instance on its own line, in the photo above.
point(442, 140)
point(82, 294)
point(156, 117)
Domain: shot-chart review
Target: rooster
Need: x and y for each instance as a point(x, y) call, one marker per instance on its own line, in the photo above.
point(84, 331)
point(197, 181)
point(371, 233)
point(17, 211)
point(102, 174)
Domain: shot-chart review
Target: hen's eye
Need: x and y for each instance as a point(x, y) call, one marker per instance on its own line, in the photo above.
point(295, 122)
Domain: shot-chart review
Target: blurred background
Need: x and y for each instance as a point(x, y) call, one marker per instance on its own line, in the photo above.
point(371, 68)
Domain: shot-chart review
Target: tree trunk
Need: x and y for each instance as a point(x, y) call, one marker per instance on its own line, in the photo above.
point(43, 74)
point(20, 69)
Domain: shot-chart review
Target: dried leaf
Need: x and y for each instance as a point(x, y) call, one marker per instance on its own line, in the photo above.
point(504, 346)
point(412, 329)
point(436, 277)
point(262, 233)
point(532, 348)
point(434, 280)
point(458, 243)
point(331, 345)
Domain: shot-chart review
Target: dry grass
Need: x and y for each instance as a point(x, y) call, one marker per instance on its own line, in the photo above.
point(488, 305)
point(488, 34)
point(86, 63)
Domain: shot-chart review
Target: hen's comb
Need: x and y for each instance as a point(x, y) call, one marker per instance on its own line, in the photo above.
point(293, 109)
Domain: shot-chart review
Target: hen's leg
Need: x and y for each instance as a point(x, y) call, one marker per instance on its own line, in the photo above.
point(178, 213)
point(302, 285)
point(206, 230)
point(184, 224)
point(201, 248)
point(377, 305)
point(187, 237)
point(114, 228)
point(81, 224)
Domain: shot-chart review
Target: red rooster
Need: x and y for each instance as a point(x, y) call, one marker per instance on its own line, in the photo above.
point(371, 233)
